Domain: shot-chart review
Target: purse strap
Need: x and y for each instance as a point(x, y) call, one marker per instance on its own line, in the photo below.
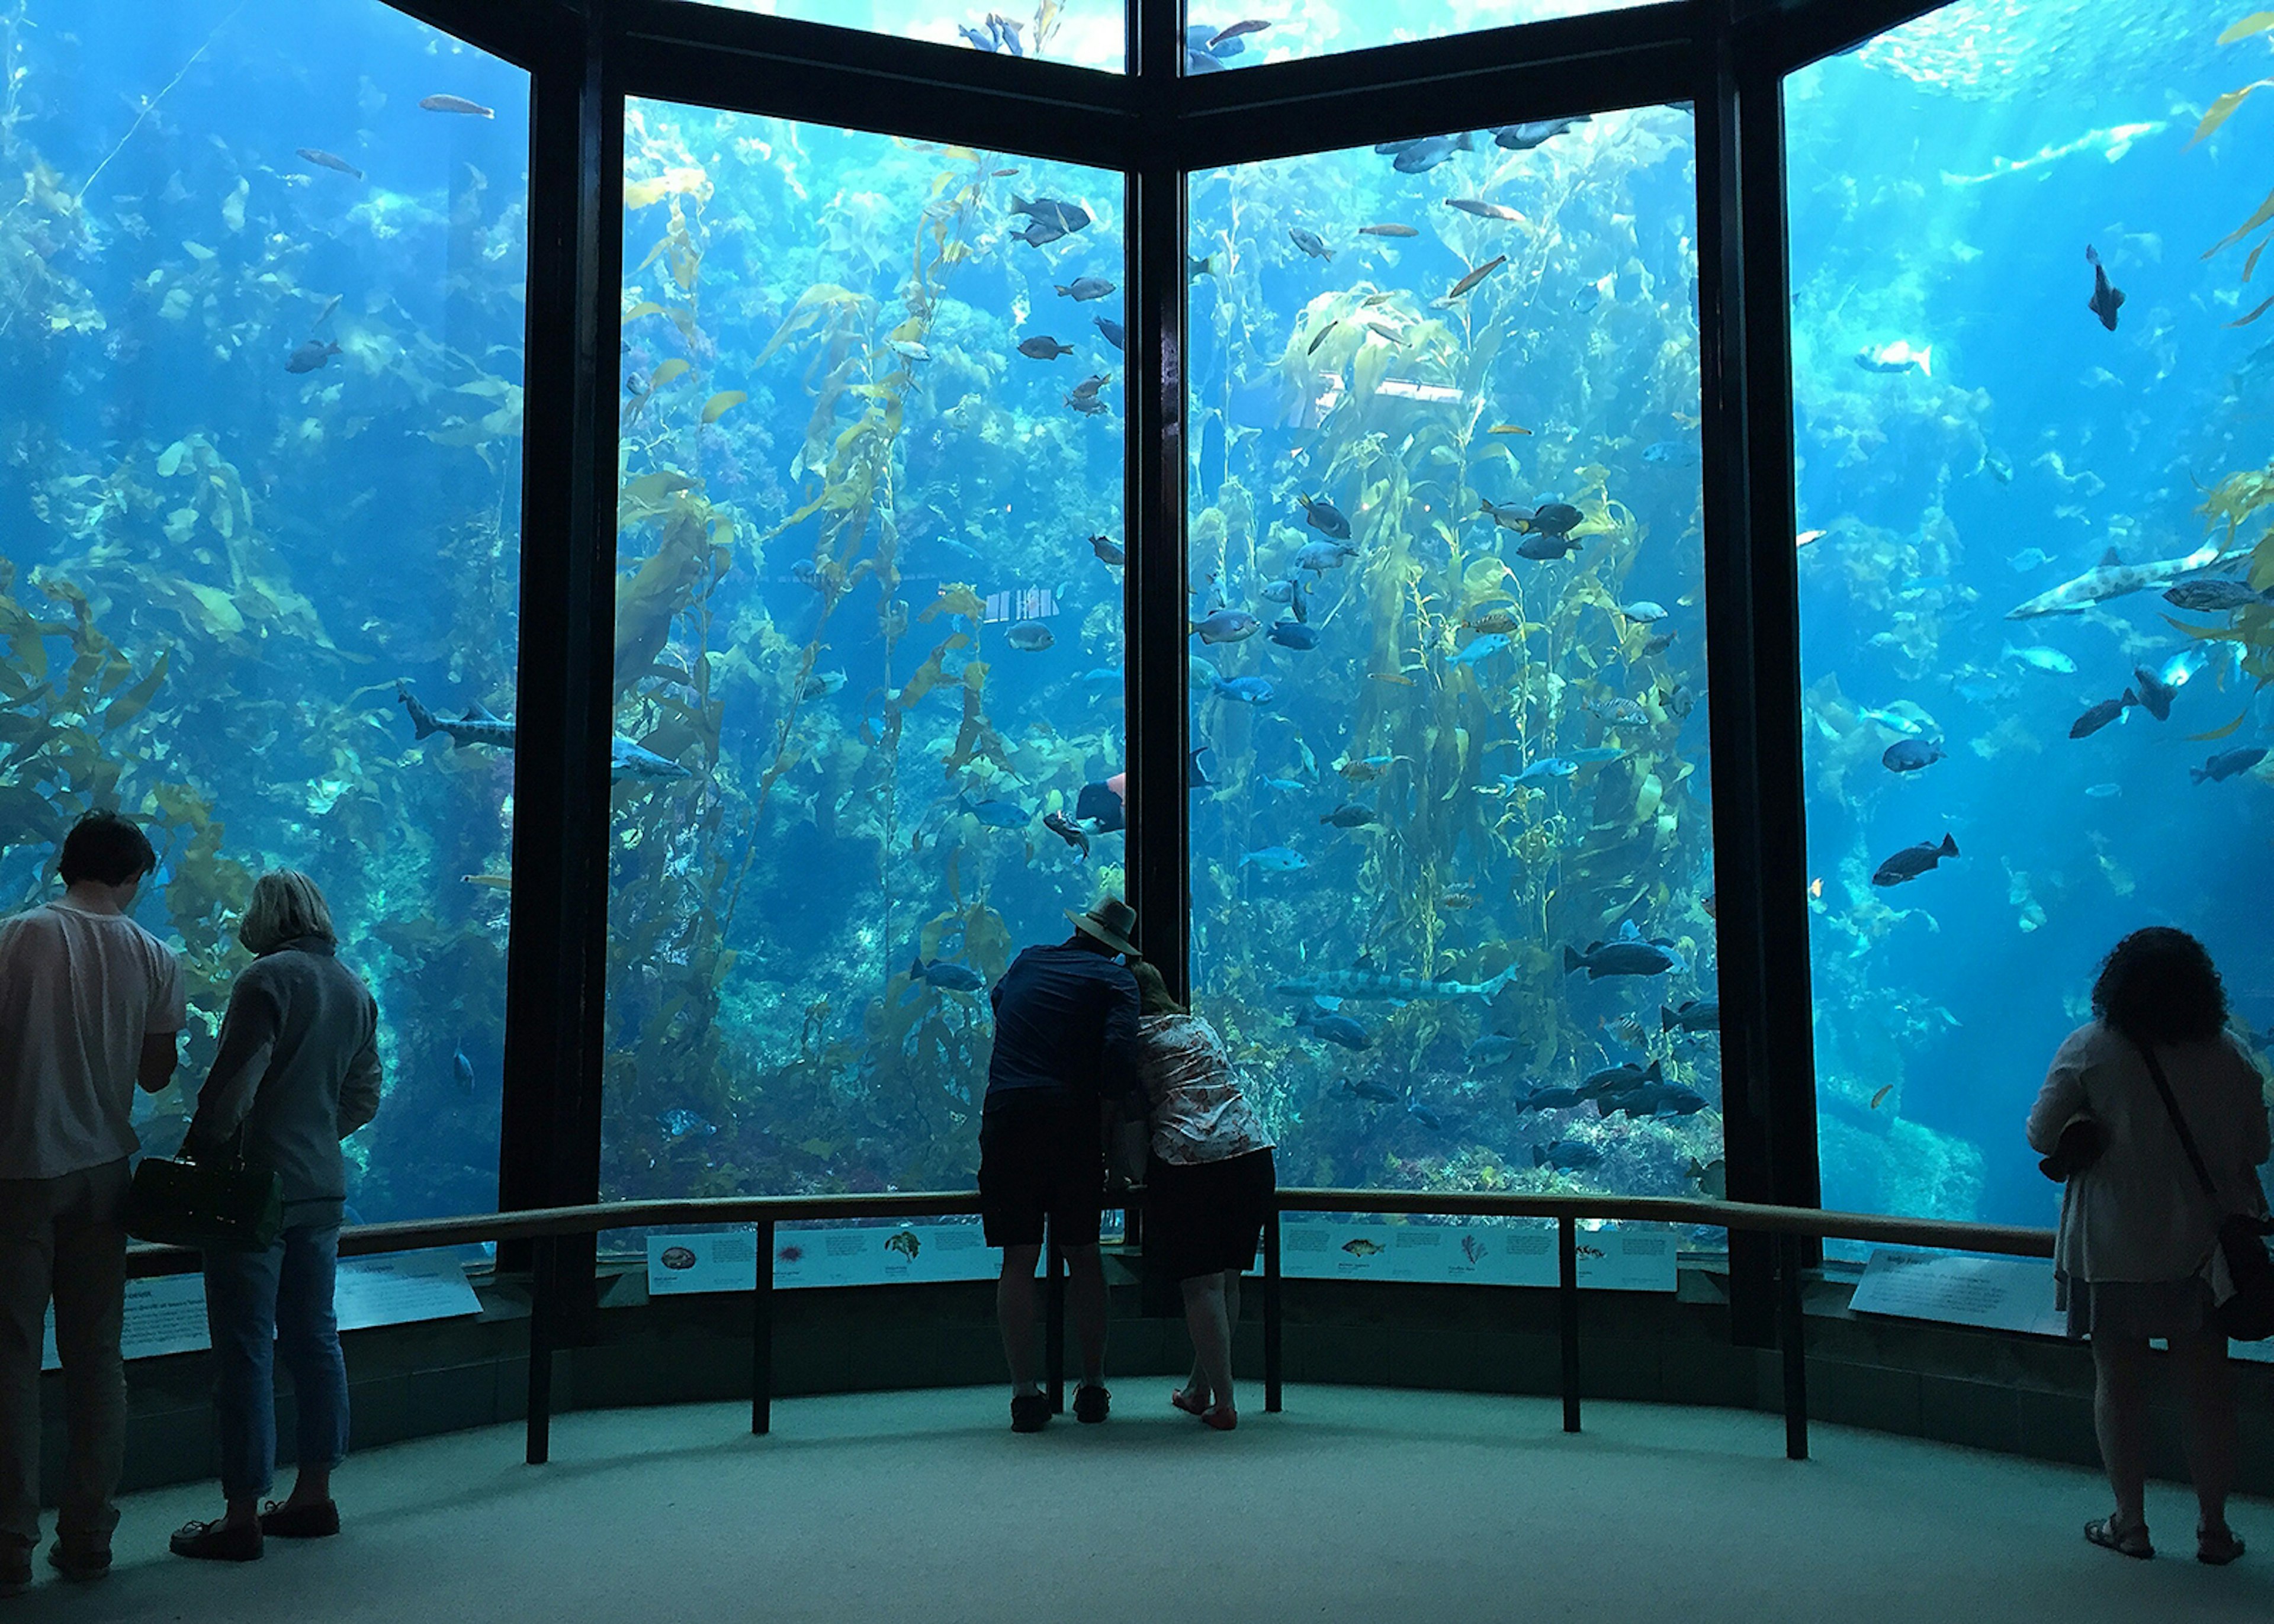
point(2186, 1140)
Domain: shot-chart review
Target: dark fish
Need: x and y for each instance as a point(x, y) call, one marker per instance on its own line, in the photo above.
point(2227, 763)
point(1523, 137)
point(1622, 1079)
point(1387, 230)
point(1604, 959)
point(1549, 519)
point(2101, 715)
point(1697, 1015)
point(1084, 288)
point(1039, 232)
point(1320, 337)
point(463, 1070)
point(1912, 860)
point(2105, 300)
point(1549, 1100)
point(1322, 515)
point(1108, 550)
point(1476, 276)
point(1101, 808)
point(1045, 349)
point(310, 356)
point(1911, 755)
point(1546, 549)
point(1067, 830)
point(1423, 1115)
point(1490, 1050)
point(2216, 597)
point(1112, 328)
point(1293, 635)
point(1253, 25)
point(1349, 814)
point(2156, 695)
point(1310, 243)
point(1064, 217)
point(1661, 1100)
point(323, 160)
point(1419, 157)
point(456, 104)
point(1711, 1177)
point(1337, 1029)
point(1226, 626)
point(994, 813)
point(1373, 1093)
point(940, 973)
point(1566, 1155)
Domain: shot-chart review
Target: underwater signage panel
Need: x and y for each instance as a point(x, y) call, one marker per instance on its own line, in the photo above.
point(1640, 1257)
point(1996, 1294)
point(853, 1255)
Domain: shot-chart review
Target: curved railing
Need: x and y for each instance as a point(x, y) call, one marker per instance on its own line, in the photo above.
point(544, 1226)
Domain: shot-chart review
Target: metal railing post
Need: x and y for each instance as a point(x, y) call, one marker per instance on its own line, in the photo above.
point(1792, 1334)
point(761, 1334)
point(1054, 1322)
point(1274, 1354)
point(541, 1351)
point(1567, 1307)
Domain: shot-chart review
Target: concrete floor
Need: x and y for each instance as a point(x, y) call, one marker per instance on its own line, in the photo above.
point(1356, 1504)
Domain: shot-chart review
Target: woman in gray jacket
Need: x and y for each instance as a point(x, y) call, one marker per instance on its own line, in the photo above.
point(296, 1072)
point(2137, 1256)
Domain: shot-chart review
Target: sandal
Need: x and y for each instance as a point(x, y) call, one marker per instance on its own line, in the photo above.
point(2131, 1542)
point(1184, 1401)
point(2217, 1547)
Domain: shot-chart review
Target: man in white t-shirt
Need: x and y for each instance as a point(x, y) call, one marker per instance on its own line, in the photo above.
point(90, 1005)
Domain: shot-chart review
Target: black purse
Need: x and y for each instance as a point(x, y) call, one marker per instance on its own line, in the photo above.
point(214, 1206)
point(2249, 1315)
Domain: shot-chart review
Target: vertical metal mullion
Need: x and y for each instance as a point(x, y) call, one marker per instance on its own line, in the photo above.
point(557, 959)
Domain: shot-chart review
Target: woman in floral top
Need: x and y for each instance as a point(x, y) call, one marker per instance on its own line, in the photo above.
point(1208, 1185)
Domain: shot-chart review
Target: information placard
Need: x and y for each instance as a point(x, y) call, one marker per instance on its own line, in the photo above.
point(1996, 1294)
point(401, 1289)
point(851, 1255)
point(164, 1315)
point(1621, 1258)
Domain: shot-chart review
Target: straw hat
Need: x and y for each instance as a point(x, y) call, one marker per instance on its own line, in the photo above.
point(1110, 921)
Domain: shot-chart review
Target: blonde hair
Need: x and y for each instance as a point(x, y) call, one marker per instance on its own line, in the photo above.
point(286, 906)
point(1153, 995)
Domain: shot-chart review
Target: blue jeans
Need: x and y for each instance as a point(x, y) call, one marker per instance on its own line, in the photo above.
point(259, 1305)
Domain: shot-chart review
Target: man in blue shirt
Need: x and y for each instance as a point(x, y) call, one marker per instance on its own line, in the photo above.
point(1066, 1046)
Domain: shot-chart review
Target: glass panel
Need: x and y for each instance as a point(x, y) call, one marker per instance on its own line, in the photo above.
point(1446, 567)
point(869, 617)
point(2012, 514)
point(1088, 33)
point(263, 330)
point(1248, 32)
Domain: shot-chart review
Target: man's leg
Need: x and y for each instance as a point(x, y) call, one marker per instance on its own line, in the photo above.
point(1014, 1312)
point(27, 1268)
point(1086, 1288)
point(90, 1287)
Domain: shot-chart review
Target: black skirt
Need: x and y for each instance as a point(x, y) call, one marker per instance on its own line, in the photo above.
point(1208, 1218)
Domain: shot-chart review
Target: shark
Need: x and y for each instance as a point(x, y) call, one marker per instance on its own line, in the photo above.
point(478, 725)
point(2112, 577)
point(1362, 984)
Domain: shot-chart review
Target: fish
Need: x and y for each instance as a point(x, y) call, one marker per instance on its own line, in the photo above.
point(1567, 1156)
point(1999, 465)
point(1880, 1094)
point(1372, 1091)
point(1038, 233)
point(1423, 1115)
point(1067, 830)
point(1895, 720)
point(1809, 538)
point(1694, 1015)
point(1479, 649)
point(1340, 1030)
point(1508, 428)
point(1226, 626)
point(1275, 860)
point(2103, 791)
point(1253, 25)
point(1659, 1100)
point(1285, 786)
point(2217, 597)
point(1361, 1247)
point(2040, 656)
point(1911, 755)
point(1084, 398)
point(629, 761)
point(1350, 815)
point(678, 1257)
point(1100, 806)
point(1244, 690)
point(2228, 764)
point(2028, 558)
point(1475, 276)
point(940, 973)
point(822, 684)
point(1547, 767)
point(1319, 557)
point(1623, 1078)
point(2105, 300)
point(2112, 577)
point(1588, 298)
point(1620, 712)
point(1043, 347)
point(323, 160)
point(1503, 620)
point(462, 1070)
point(1293, 635)
point(1111, 331)
point(1363, 983)
point(2156, 695)
point(1030, 636)
point(1197, 265)
point(1489, 1049)
point(489, 882)
point(1389, 229)
point(1399, 678)
point(479, 727)
point(1711, 1177)
point(1912, 860)
point(994, 813)
point(681, 1124)
point(1674, 453)
point(1643, 612)
point(456, 104)
point(1108, 550)
point(1324, 333)
point(1549, 1100)
point(1484, 210)
point(1898, 357)
point(1420, 156)
point(1084, 288)
point(311, 356)
point(2101, 715)
point(1067, 217)
point(1623, 958)
point(908, 350)
point(1310, 243)
point(1557, 519)
point(1539, 133)
point(1196, 775)
point(1321, 515)
point(1659, 644)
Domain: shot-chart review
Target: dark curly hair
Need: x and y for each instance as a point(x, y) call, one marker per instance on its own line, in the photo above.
point(2159, 986)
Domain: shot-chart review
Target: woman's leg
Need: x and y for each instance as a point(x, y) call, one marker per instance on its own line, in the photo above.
point(308, 1340)
point(1211, 1333)
point(241, 1318)
point(2120, 1409)
point(2207, 1389)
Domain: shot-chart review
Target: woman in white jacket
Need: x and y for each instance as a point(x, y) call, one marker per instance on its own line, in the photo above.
point(2136, 1258)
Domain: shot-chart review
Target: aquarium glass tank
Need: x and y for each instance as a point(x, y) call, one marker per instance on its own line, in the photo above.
point(2033, 474)
point(1088, 33)
point(1244, 33)
point(868, 642)
point(261, 316)
point(1451, 867)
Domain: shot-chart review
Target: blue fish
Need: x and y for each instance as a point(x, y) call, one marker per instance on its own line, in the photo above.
point(1490, 1050)
point(941, 973)
point(1553, 766)
point(1111, 329)
point(1276, 859)
point(1423, 1115)
point(683, 1124)
point(1479, 649)
point(1294, 635)
point(1285, 785)
point(994, 813)
point(463, 1070)
point(1587, 755)
point(1338, 1029)
point(1246, 690)
point(1674, 453)
point(1566, 1156)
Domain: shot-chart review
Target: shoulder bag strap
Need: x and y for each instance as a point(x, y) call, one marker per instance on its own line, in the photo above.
point(2186, 1140)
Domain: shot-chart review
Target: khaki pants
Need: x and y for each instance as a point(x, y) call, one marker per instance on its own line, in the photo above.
point(63, 1237)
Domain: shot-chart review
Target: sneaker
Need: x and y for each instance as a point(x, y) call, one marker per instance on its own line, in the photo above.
point(81, 1564)
point(217, 1542)
point(1030, 1412)
point(15, 1569)
point(280, 1522)
point(1091, 1404)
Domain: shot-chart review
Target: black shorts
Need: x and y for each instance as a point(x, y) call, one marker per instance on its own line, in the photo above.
point(1208, 1218)
point(1040, 1157)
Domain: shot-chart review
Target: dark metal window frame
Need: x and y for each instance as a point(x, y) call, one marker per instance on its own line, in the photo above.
point(1726, 58)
